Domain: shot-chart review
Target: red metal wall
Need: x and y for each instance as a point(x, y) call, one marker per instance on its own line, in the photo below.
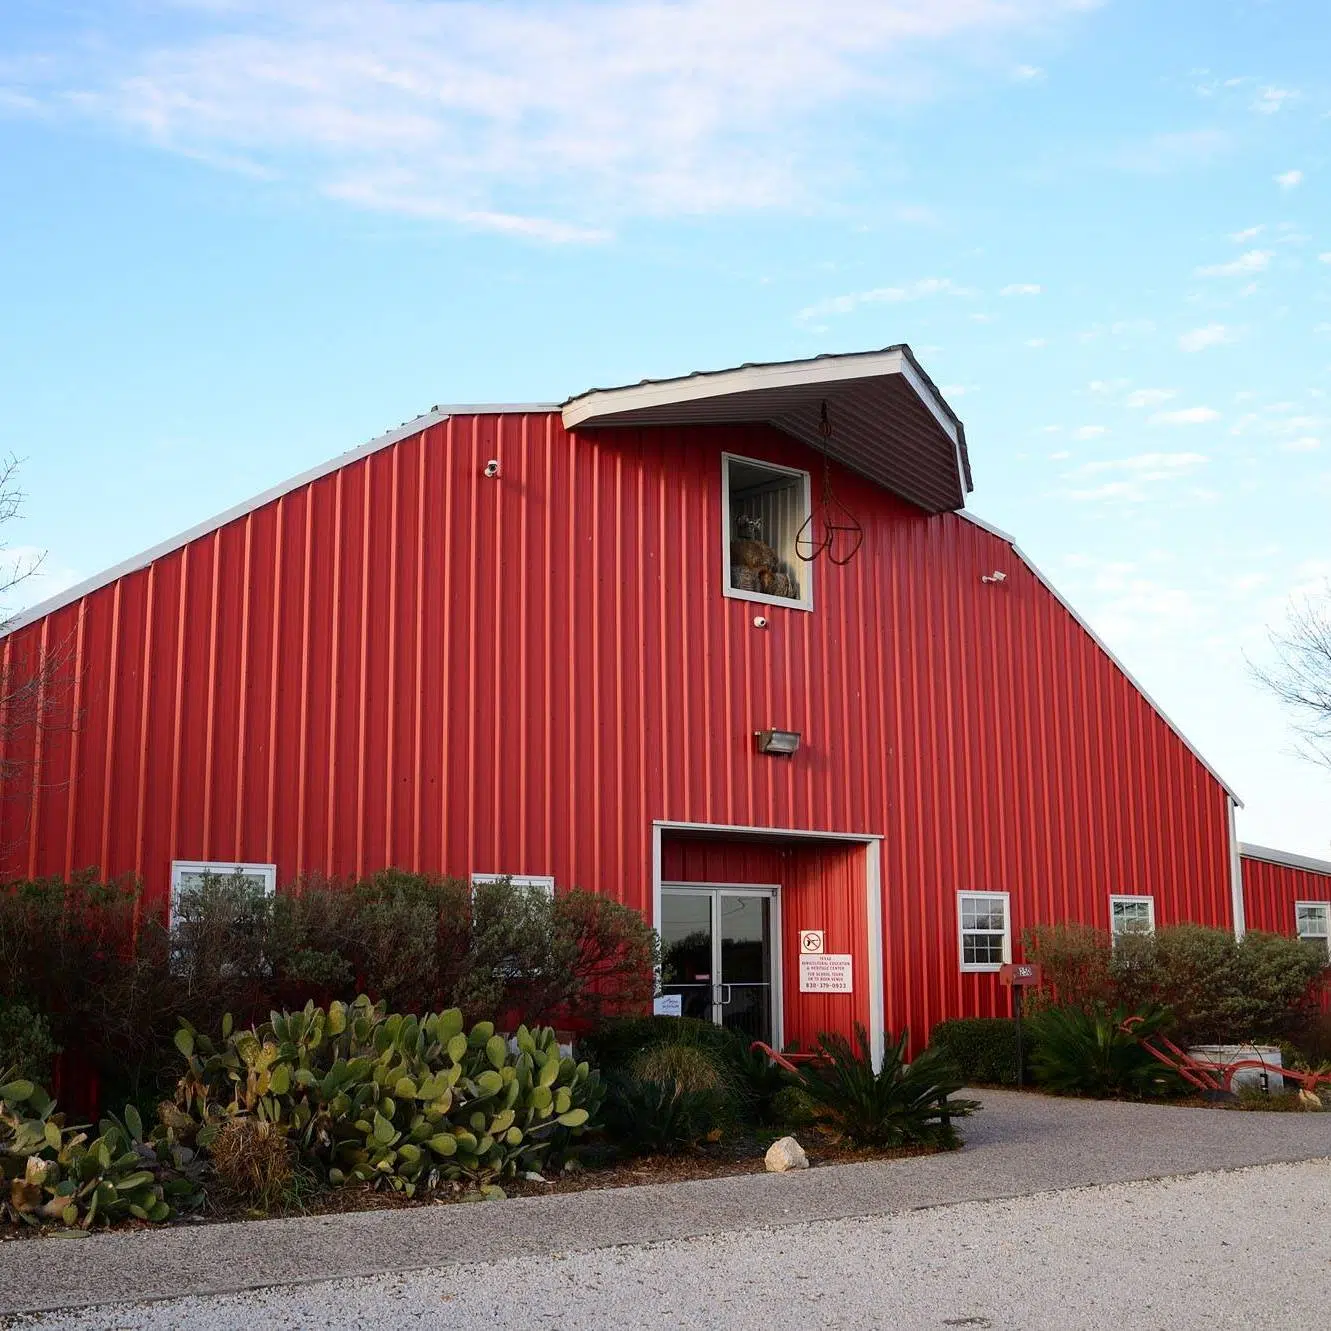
point(1270, 891)
point(404, 662)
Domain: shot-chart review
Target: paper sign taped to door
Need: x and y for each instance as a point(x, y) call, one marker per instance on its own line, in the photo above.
point(829, 973)
point(669, 1005)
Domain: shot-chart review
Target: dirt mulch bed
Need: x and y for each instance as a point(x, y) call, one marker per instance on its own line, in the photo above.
point(742, 1155)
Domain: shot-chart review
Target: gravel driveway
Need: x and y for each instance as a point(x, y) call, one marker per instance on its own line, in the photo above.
point(1018, 1146)
point(1244, 1248)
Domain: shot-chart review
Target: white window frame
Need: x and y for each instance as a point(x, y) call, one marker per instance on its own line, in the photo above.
point(805, 601)
point(1325, 936)
point(538, 882)
point(220, 869)
point(1135, 898)
point(984, 966)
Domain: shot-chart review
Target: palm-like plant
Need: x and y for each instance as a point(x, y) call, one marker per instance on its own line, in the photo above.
point(900, 1104)
point(1086, 1051)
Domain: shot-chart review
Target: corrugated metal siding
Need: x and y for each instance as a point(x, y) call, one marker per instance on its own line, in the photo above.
point(404, 662)
point(1270, 891)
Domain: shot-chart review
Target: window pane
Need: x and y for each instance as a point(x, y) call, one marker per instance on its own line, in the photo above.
point(1312, 920)
point(1131, 917)
point(982, 913)
point(766, 512)
point(982, 949)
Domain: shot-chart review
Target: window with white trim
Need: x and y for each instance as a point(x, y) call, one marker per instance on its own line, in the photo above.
point(190, 876)
point(534, 882)
point(985, 923)
point(1131, 915)
point(763, 509)
point(1312, 920)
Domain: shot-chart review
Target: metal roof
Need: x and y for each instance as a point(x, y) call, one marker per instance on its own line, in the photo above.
point(888, 421)
point(1289, 860)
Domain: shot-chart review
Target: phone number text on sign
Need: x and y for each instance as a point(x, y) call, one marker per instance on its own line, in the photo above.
point(829, 973)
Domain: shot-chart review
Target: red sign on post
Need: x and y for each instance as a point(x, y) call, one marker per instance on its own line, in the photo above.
point(1019, 974)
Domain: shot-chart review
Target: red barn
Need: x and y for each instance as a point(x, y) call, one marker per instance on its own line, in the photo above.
point(727, 647)
point(1287, 894)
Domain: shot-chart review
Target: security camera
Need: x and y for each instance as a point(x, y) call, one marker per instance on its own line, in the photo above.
point(996, 576)
point(492, 468)
point(760, 621)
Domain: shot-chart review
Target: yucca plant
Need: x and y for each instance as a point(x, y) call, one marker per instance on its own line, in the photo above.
point(1086, 1051)
point(649, 1117)
point(900, 1104)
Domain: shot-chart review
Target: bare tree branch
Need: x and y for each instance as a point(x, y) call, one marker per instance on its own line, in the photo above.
point(1300, 676)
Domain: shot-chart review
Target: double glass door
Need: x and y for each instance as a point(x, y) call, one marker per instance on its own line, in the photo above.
point(716, 954)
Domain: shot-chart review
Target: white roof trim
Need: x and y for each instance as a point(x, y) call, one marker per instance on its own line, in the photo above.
point(750, 378)
point(1103, 646)
point(132, 565)
point(1285, 857)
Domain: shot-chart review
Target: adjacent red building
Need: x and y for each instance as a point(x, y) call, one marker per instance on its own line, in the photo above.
point(727, 647)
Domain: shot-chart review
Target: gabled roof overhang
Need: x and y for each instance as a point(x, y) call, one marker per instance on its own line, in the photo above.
point(888, 421)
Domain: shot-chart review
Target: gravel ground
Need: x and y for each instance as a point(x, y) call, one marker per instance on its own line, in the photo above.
point(1245, 1248)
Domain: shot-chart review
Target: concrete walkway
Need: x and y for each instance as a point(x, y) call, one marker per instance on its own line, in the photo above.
point(1018, 1145)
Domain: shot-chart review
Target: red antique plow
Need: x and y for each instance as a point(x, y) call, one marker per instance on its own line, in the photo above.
point(1215, 1078)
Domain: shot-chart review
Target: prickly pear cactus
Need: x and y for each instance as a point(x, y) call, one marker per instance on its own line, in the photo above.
point(54, 1174)
point(396, 1100)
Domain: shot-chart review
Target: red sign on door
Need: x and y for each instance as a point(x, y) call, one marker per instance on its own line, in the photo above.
point(1020, 974)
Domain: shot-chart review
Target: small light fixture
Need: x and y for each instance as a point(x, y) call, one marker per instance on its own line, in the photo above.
point(781, 743)
point(996, 576)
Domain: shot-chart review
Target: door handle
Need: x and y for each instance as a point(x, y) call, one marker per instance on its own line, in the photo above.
point(724, 997)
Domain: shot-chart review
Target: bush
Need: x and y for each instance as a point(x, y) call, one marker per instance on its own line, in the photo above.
point(50, 1172)
point(661, 1117)
point(26, 1045)
point(616, 1044)
point(898, 1105)
point(982, 1049)
point(1081, 1051)
point(794, 1107)
point(1076, 961)
point(391, 1099)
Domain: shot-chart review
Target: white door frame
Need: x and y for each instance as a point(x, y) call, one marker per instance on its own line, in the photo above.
point(772, 891)
point(873, 895)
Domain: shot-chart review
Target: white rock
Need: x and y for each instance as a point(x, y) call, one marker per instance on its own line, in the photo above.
point(785, 1154)
point(1310, 1099)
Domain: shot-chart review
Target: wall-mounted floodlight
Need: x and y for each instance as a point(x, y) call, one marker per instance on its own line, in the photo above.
point(782, 743)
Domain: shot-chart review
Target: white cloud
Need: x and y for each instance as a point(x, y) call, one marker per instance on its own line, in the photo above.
point(1149, 397)
point(1136, 476)
point(1270, 100)
point(1021, 289)
point(1037, 342)
point(1186, 416)
point(1324, 257)
point(852, 301)
point(1253, 261)
point(1027, 73)
point(551, 120)
point(981, 318)
point(1213, 335)
point(1248, 233)
point(1308, 443)
point(1145, 466)
point(1162, 154)
point(1090, 431)
point(1289, 179)
point(44, 577)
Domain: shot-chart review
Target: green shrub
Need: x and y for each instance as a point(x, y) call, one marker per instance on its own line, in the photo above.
point(793, 1106)
point(26, 1045)
point(900, 1104)
point(1086, 1052)
point(982, 1049)
point(392, 1099)
point(617, 1043)
point(52, 1173)
point(661, 1117)
point(1076, 963)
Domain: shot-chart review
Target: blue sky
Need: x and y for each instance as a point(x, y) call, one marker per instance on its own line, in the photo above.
point(237, 238)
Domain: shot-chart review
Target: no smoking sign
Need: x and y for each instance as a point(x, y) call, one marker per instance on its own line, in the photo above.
point(811, 942)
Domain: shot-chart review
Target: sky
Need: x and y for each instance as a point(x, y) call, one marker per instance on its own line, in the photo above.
point(238, 238)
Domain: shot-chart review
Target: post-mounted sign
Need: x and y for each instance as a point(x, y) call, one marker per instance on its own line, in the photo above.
point(811, 942)
point(1019, 974)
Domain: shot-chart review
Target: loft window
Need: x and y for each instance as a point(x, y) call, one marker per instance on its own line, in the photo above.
point(986, 930)
point(1131, 915)
point(764, 508)
point(531, 882)
point(1312, 919)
